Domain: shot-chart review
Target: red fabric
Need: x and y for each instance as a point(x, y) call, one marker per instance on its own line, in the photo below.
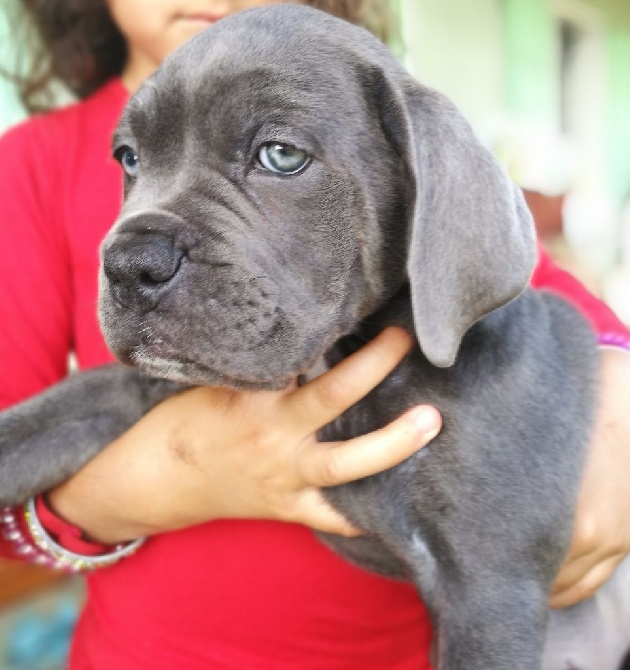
point(551, 278)
point(227, 595)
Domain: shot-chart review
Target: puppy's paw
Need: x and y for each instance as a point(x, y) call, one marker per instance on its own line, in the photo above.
point(46, 439)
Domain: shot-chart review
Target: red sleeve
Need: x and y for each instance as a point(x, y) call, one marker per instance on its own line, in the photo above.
point(35, 288)
point(550, 277)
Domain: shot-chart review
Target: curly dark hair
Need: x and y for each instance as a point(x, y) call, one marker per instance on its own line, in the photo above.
point(76, 43)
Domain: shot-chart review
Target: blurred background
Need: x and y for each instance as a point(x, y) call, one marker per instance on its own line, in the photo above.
point(546, 86)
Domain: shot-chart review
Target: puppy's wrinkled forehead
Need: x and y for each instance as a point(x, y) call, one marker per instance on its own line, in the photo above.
point(282, 64)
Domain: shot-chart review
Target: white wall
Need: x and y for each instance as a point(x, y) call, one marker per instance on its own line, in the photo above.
point(456, 46)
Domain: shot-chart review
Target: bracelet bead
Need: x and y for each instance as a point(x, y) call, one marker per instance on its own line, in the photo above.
point(14, 530)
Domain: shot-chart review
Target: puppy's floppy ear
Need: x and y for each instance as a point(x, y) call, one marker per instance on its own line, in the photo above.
point(471, 237)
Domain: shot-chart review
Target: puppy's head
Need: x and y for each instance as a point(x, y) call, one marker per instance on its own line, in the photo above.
point(284, 179)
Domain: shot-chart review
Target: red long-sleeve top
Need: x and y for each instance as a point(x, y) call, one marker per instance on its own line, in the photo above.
point(226, 595)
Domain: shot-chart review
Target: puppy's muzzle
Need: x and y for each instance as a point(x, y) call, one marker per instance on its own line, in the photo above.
point(141, 268)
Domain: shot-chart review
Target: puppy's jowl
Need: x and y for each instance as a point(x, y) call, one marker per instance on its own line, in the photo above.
point(290, 190)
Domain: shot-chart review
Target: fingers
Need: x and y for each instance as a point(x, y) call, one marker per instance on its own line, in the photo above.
point(590, 562)
point(329, 464)
point(581, 566)
point(572, 591)
point(325, 398)
point(314, 511)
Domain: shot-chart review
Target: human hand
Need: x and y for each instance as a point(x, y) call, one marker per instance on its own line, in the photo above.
point(211, 453)
point(601, 536)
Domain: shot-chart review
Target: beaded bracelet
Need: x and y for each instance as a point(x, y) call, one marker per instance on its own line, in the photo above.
point(22, 528)
point(68, 560)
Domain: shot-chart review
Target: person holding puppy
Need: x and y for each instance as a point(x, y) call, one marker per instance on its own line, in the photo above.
point(210, 473)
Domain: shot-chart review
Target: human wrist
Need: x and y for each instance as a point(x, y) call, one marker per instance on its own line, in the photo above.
point(120, 494)
point(99, 523)
point(131, 489)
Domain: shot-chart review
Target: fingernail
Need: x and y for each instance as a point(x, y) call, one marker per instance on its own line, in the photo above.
point(426, 420)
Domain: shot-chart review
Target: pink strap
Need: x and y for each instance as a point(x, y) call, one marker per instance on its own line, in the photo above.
point(609, 339)
point(65, 534)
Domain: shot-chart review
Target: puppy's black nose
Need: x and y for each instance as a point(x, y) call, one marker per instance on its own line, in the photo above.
point(140, 268)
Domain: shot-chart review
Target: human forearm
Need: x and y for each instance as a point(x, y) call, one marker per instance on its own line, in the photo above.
point(601, 536)
point(215, 453)
point(104, 498)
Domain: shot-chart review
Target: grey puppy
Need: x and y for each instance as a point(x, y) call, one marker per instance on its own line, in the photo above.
point(289, 192)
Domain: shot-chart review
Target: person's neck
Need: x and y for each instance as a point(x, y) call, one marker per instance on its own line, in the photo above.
point(138, 67)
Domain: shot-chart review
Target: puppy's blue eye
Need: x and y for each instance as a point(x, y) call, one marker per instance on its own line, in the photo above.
point(282, 158)
point(129, 160)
